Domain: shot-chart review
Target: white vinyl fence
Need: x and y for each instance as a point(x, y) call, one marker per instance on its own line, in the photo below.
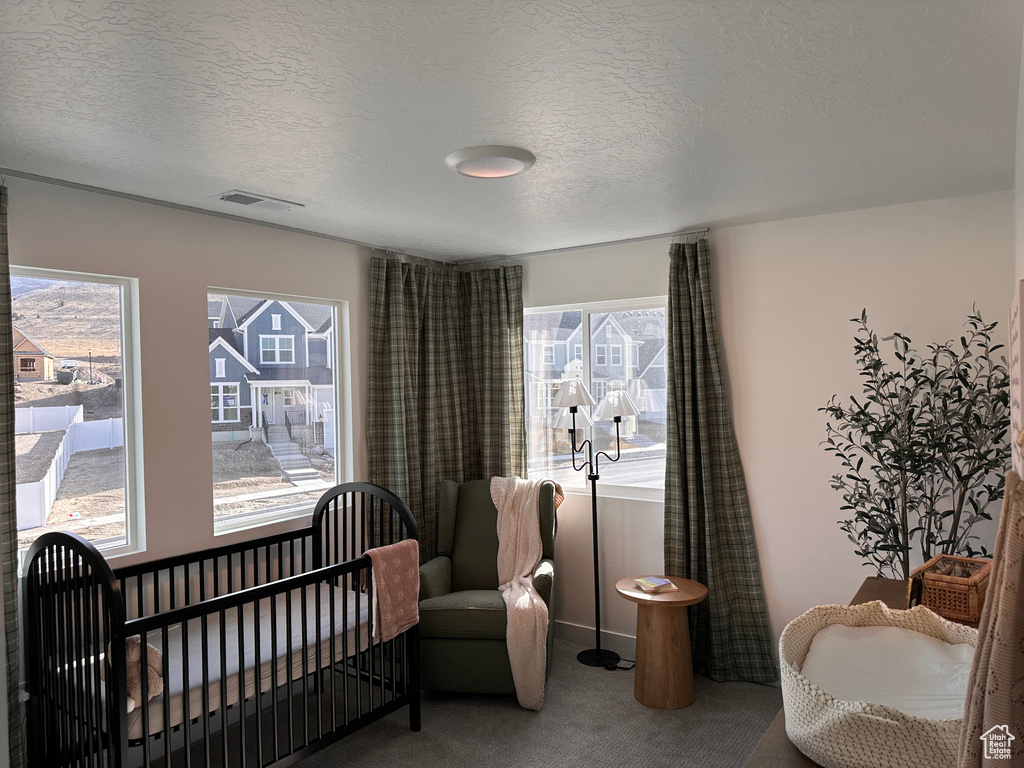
point(50, 419)
point(35, 500)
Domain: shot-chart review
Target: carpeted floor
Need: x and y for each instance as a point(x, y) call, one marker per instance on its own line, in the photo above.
point(590, 719)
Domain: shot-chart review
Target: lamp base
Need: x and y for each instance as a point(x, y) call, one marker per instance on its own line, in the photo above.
point(598, 658)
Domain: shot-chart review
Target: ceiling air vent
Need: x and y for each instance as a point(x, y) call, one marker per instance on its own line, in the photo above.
point(250, 200)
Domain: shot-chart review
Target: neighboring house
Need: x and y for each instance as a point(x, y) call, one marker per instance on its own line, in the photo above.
point(31, 361)
point(269, 359)
point(627, 352)
point(549, 354)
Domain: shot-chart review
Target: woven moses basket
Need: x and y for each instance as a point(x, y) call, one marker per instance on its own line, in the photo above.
point(856, 734)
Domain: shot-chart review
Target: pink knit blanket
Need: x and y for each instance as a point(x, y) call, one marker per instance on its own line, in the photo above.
point(526, 615)
point(396, 588)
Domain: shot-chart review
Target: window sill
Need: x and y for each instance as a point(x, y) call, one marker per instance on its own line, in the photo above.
point(610, 491)
point(245, 522)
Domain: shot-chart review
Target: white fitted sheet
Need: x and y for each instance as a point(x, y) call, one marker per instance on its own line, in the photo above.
point(344, 632)
point(914, 673)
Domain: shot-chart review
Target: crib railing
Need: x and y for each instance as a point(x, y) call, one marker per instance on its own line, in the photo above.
point(254, 704)
point(218, 617)
point(180, 580)
point(72, 613)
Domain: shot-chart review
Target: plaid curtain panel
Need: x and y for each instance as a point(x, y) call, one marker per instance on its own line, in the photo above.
point(445, 384)
point(709, 534)
point(8, 512)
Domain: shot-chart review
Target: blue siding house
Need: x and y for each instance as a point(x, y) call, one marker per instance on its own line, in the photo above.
point(270, 361)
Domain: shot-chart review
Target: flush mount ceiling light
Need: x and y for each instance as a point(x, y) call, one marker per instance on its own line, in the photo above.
point(489, 162)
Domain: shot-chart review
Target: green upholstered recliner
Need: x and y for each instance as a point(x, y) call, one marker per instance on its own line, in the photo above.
point(462, 613)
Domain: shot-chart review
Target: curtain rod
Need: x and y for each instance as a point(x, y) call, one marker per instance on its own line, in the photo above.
point(512, 258)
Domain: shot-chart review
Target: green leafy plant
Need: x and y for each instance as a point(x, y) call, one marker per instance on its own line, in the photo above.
point(924, 450)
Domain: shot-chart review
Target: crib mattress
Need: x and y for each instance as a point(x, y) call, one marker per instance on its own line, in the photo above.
point(279, 661)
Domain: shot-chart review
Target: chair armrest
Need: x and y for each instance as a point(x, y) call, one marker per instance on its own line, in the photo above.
point(435, 578)
point(544, 579)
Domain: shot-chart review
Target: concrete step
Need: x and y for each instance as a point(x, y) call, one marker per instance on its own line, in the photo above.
point(285, 449)
point(299, 476)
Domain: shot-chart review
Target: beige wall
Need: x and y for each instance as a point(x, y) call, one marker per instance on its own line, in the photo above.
point(176, 256)
point(785, 292)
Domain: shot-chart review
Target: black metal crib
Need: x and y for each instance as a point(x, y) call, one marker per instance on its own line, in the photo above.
point(266, 650)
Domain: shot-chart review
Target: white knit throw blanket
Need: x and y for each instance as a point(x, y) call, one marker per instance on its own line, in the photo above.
point(519, 551)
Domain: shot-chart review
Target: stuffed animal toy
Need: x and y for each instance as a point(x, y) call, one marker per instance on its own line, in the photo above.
point(133, 671)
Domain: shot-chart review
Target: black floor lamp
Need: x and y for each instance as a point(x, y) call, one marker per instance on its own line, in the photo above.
point(572, 394)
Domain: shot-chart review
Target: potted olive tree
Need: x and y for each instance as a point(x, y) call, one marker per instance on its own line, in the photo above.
point(924, 449)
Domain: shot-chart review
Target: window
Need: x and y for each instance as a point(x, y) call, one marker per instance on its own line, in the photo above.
point(277, 349)
point(224, 403)
point(78, 334)
point(640, 326)
point(549, 354)
point(279, 434)
point(214, 322)
point(577, 352)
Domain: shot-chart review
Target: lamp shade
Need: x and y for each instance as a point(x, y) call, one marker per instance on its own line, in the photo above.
point(564, 420)
point(616, 403)
point(572, 392)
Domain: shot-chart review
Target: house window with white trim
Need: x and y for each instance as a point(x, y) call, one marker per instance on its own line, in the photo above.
point(89, 323)
point(638, 328)
point(277, 349)
point(577, 352)
point(281, 433)
point(548, 354)
point(224, 404)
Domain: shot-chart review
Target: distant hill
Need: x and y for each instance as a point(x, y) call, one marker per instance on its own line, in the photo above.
point(22, 285)
point(69, 318)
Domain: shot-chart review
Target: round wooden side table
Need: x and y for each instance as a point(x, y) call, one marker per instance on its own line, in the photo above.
point(664, 668)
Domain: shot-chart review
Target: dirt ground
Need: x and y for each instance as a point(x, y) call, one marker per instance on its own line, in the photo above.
point(93, 485)
point(247, 468)
point(35, 452)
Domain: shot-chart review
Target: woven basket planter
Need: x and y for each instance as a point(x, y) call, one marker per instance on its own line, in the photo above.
point(855, 734)
point(954, 587)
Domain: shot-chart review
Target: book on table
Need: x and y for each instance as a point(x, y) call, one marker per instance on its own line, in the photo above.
point(655, 584)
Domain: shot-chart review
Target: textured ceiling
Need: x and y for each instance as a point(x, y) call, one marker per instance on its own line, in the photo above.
point(645, 117)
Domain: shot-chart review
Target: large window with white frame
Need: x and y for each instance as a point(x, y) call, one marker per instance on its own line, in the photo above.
point(623, 347)
point(279, 435)
point(77, 420)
